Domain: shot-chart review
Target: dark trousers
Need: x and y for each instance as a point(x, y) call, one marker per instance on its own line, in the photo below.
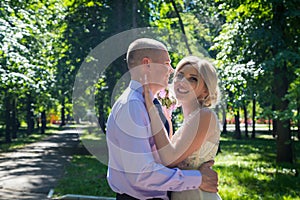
point(127, 197)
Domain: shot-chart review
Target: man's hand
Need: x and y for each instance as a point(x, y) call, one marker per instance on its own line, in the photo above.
point(209, 177)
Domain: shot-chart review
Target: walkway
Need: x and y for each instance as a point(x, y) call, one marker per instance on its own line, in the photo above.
point(30, 172)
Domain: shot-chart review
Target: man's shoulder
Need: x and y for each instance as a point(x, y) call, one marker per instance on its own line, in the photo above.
point(129, 96)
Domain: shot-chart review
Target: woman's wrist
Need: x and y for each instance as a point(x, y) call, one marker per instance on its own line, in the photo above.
point(150, 105)
point(152, 110)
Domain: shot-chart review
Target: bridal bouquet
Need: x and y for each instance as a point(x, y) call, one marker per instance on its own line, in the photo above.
point(168, 101)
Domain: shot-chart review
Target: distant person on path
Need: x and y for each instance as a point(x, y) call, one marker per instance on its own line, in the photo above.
point(197, 140)
point(134, 171)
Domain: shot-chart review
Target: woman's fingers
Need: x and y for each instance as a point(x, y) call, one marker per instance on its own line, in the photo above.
point(146, 86)
point(146, 79)
point(147, 96)
point(146, 91)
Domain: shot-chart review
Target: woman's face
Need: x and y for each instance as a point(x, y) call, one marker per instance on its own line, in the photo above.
point(188, 84)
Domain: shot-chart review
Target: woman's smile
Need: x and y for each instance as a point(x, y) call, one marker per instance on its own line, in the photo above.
point(181, 90)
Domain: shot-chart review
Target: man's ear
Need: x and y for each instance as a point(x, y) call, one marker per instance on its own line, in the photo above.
point(146, 61)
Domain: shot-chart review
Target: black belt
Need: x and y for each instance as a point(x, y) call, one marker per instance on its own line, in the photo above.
point(127, 197)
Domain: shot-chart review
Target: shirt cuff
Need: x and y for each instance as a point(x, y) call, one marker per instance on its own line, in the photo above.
point(193, 179)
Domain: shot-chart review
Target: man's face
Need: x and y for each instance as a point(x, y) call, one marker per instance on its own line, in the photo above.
point(161, 69)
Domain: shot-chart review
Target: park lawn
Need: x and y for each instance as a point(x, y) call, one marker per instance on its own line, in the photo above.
point(24, 139)
point(85, 176)
point(246, 168)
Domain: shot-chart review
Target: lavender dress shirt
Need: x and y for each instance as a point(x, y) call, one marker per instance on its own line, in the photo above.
point(133, 166)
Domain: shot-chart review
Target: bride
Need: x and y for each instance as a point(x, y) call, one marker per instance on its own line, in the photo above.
point(197, 140)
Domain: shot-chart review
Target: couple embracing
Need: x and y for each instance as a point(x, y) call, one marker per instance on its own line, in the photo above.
point(144, 162)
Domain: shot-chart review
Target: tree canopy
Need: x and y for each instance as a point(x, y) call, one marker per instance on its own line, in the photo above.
point(253, 44)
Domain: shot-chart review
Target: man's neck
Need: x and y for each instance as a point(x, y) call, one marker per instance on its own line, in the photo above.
point(153, 87)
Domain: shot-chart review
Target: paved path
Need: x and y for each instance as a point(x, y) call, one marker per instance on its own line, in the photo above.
point(30, 172)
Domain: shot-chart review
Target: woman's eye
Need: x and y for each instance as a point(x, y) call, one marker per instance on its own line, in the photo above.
point(193, 79)
point(179, 76)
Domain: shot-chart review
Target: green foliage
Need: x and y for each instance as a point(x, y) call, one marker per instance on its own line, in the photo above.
point(43, 44)
point(258, 56)
point(198, 36)
point(28, 51)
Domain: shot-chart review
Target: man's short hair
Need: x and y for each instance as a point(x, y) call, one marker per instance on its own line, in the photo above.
point(141, 48)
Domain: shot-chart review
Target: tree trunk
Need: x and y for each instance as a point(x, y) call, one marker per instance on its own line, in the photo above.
point(119, 20)
point(62, 117)
point(246, 120)
point(274, 130)
point(225, 120)
point(253, 116)
point(7, 119)
point(225, 126)
point(237, 125)
point(283, 130)
point(298, 122)
point(284, 142)
point(43, 122)
point(30, 115)
point(134, 11)
point(101, 118)
point(281, 84)
point(14, 120)
point(37, 120)
point(181, 27)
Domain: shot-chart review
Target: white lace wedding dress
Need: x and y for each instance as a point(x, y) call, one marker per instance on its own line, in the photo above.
point(207, 152)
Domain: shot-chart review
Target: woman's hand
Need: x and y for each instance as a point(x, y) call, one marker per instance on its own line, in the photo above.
point(147, 95)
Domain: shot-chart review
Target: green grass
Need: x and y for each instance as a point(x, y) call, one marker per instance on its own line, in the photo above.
point(86, 176)
point(247, 170)
point(24, 139)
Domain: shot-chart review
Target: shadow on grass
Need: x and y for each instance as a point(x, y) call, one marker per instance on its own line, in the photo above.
point(264, 144)
point(85, 176)
point(253, 184)
point(248, 169)
point(23, 138)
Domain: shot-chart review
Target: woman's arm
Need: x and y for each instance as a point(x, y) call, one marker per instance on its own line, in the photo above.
point(193, 134)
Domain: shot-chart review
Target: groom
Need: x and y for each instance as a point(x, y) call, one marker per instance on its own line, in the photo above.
point(134, 171)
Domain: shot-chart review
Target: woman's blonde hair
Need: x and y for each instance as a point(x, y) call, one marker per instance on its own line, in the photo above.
point(209, 75)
